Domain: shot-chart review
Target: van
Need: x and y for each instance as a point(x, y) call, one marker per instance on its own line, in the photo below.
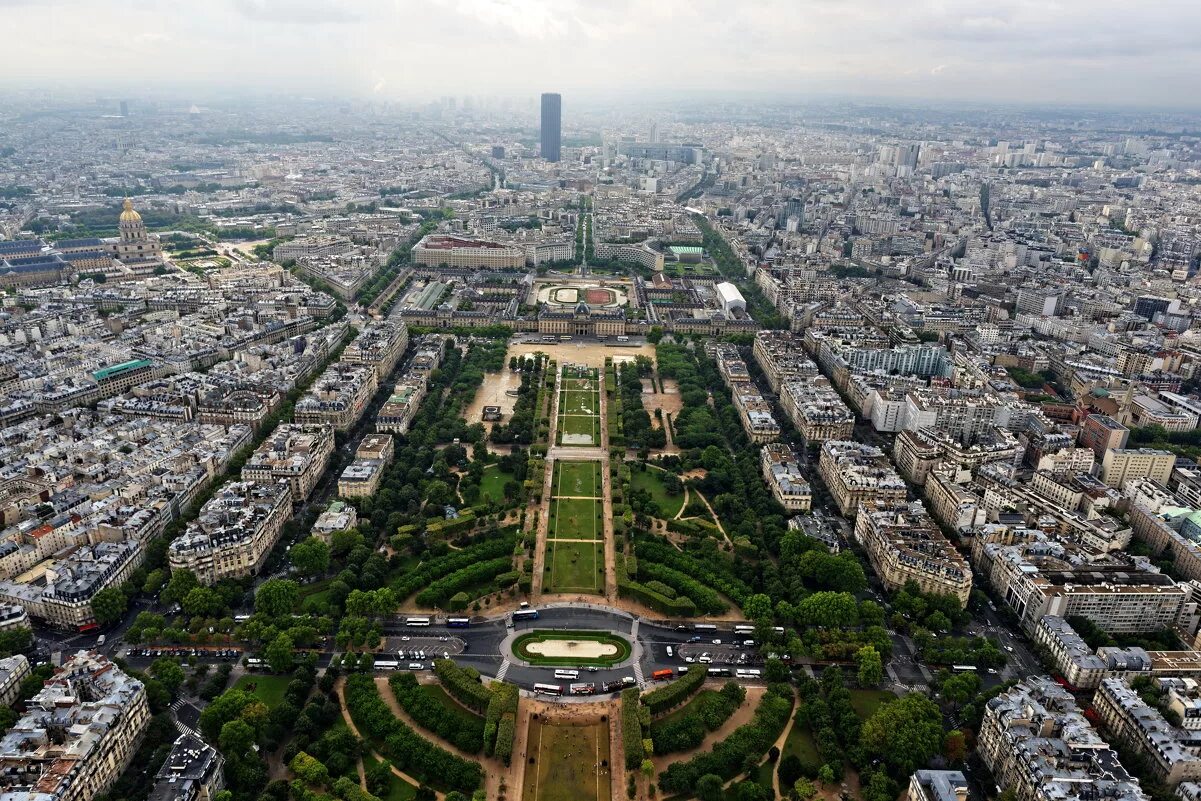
point(705, 659)
point(416, 666)
point(670, 652)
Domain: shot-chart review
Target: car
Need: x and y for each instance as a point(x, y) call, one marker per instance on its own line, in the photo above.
point(689, 659)
point(592, 670)
point(443, 639)
point(706, 659)
point(694, 639)
point(406, 638)
point(992, 671)
point(1009, 648)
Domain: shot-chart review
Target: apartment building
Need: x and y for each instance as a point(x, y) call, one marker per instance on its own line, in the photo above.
point(816, 411)
point(781, 356)
point(12, 670)
point(59, 592)
point(1119, 465)
point(193, 771)
point(439, 250)
point(938, 785)
point(782, 472)
point(1036, 742)
point(78, 734)
point(297, 454)
point(952, 505)
point(856, 473)
point(1171, 754)
point(311, 247)
point(380, 344)
point(339, 397)
point(903, 544)
point(1102, 433)
point(234, 532)
point(1148, 411)
point(398, 411)
point(1075, 661)
point(755, 413)
point(360, 478)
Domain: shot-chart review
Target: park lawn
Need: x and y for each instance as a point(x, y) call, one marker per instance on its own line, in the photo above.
point(579, 479)
point(801, 745)
point(571, 763)
point(268, 689)
point(576, 519)
point(866, 702)
point(577, 424)
point(575, 567)
point(398, 789)
point(651, 480)
point(492, 485)
point(469, 718)
point(585, 402)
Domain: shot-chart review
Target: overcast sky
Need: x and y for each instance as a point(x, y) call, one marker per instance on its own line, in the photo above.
point(1071, 51)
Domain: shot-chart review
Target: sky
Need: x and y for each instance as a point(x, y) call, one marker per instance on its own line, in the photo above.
point(1079, 52)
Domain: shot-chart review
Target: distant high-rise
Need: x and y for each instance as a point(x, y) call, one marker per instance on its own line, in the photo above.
point(552, 125)
point(498, 151)
point(124, 108)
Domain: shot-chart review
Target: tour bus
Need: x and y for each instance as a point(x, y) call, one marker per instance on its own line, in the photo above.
point(253, 663)
point(719, 671)
point(778, 630)
point(623, 339)
point(744, 629)
point(548, 689)
point(963, 668)
point(567, 674)
point(387, 664)
point(748, 673)
point(417, 621)
point(704, 627)
point(525, 614)
point(241, 618)
point(458, 622)
point(663, 675)
point(583, 689)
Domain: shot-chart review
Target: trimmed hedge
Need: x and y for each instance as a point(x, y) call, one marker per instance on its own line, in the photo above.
point(631, 728)
point(730, 755)
point(498, 738)
point(719, 576)
point(705, 713)
point(463, 684)
point(427, 573)
point(707, 601)
point(441, 591)
point(408, 750)
point(672, 607)
point(457, 729)
point(677, 692)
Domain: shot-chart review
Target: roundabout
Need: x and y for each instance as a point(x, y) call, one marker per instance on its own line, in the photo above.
point(571, 648)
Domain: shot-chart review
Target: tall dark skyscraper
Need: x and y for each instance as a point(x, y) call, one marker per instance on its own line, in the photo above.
point(552, 125)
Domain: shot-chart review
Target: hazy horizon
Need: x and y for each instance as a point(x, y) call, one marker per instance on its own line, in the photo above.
point(1098, 54)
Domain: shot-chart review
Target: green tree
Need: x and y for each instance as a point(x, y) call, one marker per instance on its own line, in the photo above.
point(954, 747)
point(825, 775)
point(109, 606)
point(757, 607)
point(708, 788)
point(829, 610)
point(204, 602)
point(803, 789)
point(279, 653)
point(179, 585)
point(310, 556)
point(903, 734)
point(168, 672)
point(155, 580)
point(871, 667)
point(277, 597)
point(237, 737)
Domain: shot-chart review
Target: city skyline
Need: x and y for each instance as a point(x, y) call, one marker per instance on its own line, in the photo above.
point(1069, 52)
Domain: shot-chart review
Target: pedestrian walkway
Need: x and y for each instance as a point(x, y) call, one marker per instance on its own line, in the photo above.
point(504, 670)
point(180, 726)
point(638, 674)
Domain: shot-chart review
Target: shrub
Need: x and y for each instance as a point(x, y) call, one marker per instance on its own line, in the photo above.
point(631, 728)
point(463, 684)
point(457, 729)
point(676, 692)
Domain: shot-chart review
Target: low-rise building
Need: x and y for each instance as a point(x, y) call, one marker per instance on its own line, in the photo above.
point(782, 471)
point(398, 411)
point(78, 734)
point(12, 670)
point(938, 785)
point(234, 532)
point(193, 771)
point(360, 478)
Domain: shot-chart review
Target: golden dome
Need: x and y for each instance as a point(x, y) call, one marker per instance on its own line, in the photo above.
point(128, 214)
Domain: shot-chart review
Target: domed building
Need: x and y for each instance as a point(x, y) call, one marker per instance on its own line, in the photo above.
point(134, 247)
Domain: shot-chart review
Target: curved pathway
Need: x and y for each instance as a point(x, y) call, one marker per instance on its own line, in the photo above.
point(339, 688)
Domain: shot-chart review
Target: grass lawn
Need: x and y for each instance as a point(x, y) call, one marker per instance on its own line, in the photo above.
point(576, 519)
point(578, 425)
point(686, 709)
point(469, 718)
point(801, 745)
point(268, 689)
point(585, 402)
point(651, 480)
point(574, 566)
point(570, 763)
point(492, 485)
point(398, 789)
point(866, 702)
point(581, 479)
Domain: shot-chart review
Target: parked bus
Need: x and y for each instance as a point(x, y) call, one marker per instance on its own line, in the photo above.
point(744, 629)
point(242, 618)
point(458, 622)
point(963, 668)
point(748, 673)
point(704, 627)
point(548, 689)
point(623, 339)
point(417, 621)
point(719, 671)
point(525, 614)
point(583, 689)
point(387, 664)
point(778, 630)
point(663, 675)
point(253, 663)
point(567, 674)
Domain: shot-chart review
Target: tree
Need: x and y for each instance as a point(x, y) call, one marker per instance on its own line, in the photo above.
point(279, 653)
point(237, 737)
point(109, 606)
point(871, 667)
point(954, 747)
point(277, 597)
point(753, 791)
point(180, 584)
point(708, 788)
point(647, 768)
point(155, 580)
point(757, 607)
point(310, 556)
point(203, 602)
point(904, 733)
point(825, 775)
point(168, 672)
point(829, 610)
point(804, 789)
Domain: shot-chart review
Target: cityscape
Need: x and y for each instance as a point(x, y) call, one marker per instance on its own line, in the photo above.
point(552, 437)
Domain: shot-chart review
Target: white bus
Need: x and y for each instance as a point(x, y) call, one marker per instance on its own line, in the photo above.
point(744, 629)
point(778, 629)
point(417, 621)
point(705, 627)
point(567, 674)
point(242, 618)
point(748, 673)
point(387, 664)
point(253, 663)
point(548, 689)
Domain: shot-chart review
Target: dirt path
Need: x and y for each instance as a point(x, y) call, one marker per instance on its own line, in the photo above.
point(607, 497)
point(778, 744)
point(741, 716)
point(543, 517)
point(340, 688)
point(492, 767)
point(716, 519)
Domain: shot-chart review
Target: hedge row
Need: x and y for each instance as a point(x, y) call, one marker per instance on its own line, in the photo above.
point(427, 573)
point(672, 607)
point(408, 750)
point(729, 585)
point(729, 756)
point(463, 684)
point(500, 722)
point(707, 600)
point(705, 713)
point(464, 521)
point(456, 729)
point(440, 591)
point(631, 728)
point(676, 692)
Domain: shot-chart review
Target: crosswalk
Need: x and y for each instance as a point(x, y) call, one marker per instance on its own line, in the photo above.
point(182, 727)
point(638, 674)
point(504, 670)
